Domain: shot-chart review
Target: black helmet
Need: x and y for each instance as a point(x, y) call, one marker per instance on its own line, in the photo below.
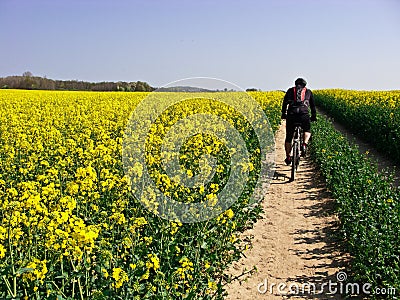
point(300, 81)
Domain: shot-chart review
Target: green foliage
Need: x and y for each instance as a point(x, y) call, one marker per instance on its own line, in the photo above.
point(367, 203)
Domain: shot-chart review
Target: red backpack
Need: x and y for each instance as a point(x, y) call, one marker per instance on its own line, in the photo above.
point(299, 100)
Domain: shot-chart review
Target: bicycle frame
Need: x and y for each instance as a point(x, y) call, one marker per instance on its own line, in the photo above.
point(296, 144)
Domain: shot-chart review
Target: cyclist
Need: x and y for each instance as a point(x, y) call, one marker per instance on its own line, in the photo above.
point(297, 101)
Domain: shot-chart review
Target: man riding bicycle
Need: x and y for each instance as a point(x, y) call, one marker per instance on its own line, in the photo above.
point(295, 106)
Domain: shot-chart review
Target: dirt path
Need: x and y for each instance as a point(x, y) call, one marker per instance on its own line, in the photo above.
point(293, 242)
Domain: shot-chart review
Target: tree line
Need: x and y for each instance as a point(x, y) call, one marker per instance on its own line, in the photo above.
point(29, 82)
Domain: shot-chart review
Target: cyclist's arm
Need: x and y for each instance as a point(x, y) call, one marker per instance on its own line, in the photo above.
point(285, 103)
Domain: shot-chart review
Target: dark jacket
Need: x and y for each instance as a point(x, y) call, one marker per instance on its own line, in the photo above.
point(290, 106)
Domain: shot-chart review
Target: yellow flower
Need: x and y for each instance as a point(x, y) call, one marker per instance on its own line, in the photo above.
point(12, 192)
point(201, 189)
point(2, 251)
point(186, 268)
point(73, 188)
point(137, 223)
point(174, 227)
point(3, 233)
point(120, 277)
point(233, 238)
point(138, 169)
point(105, 273)
point(145, 276)
point(148, 240)
point(212, 285)
point(153, 262)
point(214, 187)
point(119, 217)
point(220, 169)
point(38, 270)
point(212, 199)
point(140, 222)
point(229, 213)
point(251, 166)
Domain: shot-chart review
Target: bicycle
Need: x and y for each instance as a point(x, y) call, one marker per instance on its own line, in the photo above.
point(296, 149)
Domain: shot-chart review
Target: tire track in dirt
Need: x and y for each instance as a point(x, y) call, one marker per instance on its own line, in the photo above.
point(294, 241)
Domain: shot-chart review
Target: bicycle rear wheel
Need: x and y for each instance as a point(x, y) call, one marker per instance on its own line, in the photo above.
point(296, 153)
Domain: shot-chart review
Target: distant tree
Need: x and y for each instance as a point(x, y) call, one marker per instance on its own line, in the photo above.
point(251, 90)
point(140, 87)
point(27, 74)
point(147, 87)
point(28, 81)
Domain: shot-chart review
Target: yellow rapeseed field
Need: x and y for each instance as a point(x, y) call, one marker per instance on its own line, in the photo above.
point(69, 225)
point(373, 115)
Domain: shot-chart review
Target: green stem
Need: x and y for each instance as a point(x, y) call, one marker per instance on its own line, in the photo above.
point(59, 290)
point(87, 282)
point(80, 289)
point(62, 274)
point(8, 286)
point(14, 294)
point(73, 280)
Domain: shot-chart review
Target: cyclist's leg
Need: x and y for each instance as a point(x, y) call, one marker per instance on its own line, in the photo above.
point(306, 126)
point(306, 137)
point(288, 148)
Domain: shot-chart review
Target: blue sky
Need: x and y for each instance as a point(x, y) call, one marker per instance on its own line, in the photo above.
point(351, 44)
